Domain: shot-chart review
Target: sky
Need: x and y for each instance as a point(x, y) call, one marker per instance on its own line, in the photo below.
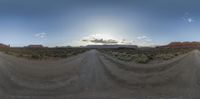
point(86, 22)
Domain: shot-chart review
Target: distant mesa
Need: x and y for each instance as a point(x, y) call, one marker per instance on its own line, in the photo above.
point(34, 46)
point(183, 45)
point(170, 45)
point(112, 46)
point(4, 45)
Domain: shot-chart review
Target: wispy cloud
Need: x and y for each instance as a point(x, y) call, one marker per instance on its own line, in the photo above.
point(128, 42)
point(100, 39)
point(144, 38)
point(105, 39)
point(187, 17)
point(144, 41)
point(41, 35)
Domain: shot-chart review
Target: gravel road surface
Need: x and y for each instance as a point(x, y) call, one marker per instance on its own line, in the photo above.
point(93, 75)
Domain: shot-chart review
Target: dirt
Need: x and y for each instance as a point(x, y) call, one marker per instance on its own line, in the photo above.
point(92, 75)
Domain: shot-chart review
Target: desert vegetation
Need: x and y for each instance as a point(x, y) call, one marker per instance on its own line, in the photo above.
point(142, 55)
point(43, 53)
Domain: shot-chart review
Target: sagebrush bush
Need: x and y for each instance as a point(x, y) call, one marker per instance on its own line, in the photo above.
point(35, 56)
point(145, 55)
point(165, 56)
point(124, 57)
point(43, 53)
point(141, 58)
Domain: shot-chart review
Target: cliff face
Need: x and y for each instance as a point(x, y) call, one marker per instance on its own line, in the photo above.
point(184, 45)
point(3, 46)
point(35, 46)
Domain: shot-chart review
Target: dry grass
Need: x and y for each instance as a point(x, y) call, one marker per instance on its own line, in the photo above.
point(145, 55)
point(43, 53)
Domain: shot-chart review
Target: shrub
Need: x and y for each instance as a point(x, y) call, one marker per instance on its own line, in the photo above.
point(64, 55)
point(43, 53)
point(165, 56)
point(21, 55)
point(124, 58)
point(34, 56)
point(141, 58)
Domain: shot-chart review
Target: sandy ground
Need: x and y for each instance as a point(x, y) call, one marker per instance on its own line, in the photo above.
point(93, 75)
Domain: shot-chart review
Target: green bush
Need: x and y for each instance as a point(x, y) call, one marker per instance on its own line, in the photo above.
point(165, 56)
point(64, 55)
point(141, 58)
point(124, 58)
point(35, 56)
point(145, 55)
point(43, 53)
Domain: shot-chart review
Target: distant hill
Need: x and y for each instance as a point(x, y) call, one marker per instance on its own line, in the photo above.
point(183, 45)
point(34, 46)
point(4, 46)
point(111, 46)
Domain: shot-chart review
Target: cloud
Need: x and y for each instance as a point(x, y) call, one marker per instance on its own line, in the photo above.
point(100, 41)
point(188, 18)
point(109, 41)
point(144, 41)
point(144, 38)
point(41, 35)
point(128, 42)
point(105, 39)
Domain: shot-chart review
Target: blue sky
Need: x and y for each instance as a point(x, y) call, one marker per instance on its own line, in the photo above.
point(83, 22)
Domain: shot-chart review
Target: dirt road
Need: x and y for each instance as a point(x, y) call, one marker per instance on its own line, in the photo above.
point(92, 75)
